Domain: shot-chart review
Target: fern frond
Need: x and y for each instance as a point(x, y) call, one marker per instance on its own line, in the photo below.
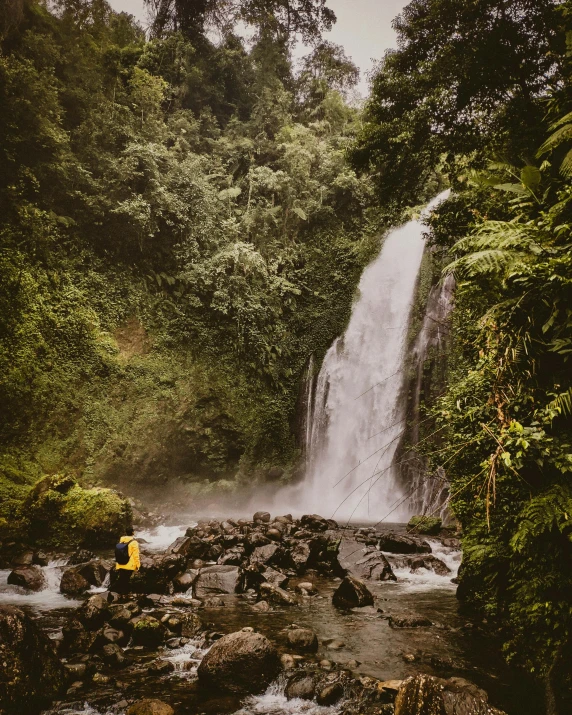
point(566, 166)
point(562, 403)
point(546, 512)
point(561, 135)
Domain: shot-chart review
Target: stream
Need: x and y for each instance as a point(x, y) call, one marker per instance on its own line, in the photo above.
point(362, 640)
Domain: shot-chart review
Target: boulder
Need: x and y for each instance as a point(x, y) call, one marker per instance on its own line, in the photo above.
point(275, 594)
point(425, 695)
point(261, 516)
point(314, 522)
point(150, 706)
point(233, 557)
point(300, 686)
point(430, 525)
point(31, 674)
point(81, 556)
point(409, 621)
point(77, 638)
point(95, 571)
point(400, 544)
point(148, 631)
point(157, 573)
point(431, 563)
point(216, 580)
point(330, 694)
point(300, 556)
point(265, 554)
point(303, 640)
point(184, 581)
point(375, 566)
point(112, 654)
point(94, 612)
point(29, 577)
point(190, 624)
point(352, 593)
point(73, 583)
point(275, 577)
point(189, 546)
point(244, 662)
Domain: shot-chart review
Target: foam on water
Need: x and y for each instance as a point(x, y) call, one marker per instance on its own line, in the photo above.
point(187, 659)
point(161, 537)
point(274, 702)
point(426, 579)
point(47, 599)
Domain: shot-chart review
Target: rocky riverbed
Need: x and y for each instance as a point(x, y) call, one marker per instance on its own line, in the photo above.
point(265, 615)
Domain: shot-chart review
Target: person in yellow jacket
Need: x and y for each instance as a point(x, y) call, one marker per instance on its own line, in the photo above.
point(124, 571)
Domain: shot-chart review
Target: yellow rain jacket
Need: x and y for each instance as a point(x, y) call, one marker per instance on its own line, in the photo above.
point(133, 551)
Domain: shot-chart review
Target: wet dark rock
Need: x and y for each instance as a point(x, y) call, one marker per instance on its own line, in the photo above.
point(216, 580)
point(29, 577)
point(77, 638)
point(24, 558)
point(261, 516)
point(94, 612)
point(31, 674)
point(233, 557)
point(267, 554)
point(73, 583)
point(184, 581)
point(375, 566)
point(425, 695)
point(430, 525)
point(275, 577)
point(314, 522)
point(243, 662)
point(81, 556)
point(190, 624)
point(76, 670)
point(147, 631)
point(95, 571)
point(113, 655)
point(262, 607)
point(302, 640)
point(330, 694)
point(274, 534)
point(173, 643)
point(214, 602)
point(451, 543)
point(430, 562)
point(150, 706)
point(300, 686)
point(275, 594)
point(409, 621)
point(352, 593)
point(400, 544)
point(157, 573)
point(40, 558)
point(121, 613)
point(256, 539)
point(300, 556)
point(160, 667)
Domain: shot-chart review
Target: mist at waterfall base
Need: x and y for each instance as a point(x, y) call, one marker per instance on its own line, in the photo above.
point(356, 410)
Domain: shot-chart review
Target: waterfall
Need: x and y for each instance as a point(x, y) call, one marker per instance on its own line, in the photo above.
point(359, 409)
point(430, 496)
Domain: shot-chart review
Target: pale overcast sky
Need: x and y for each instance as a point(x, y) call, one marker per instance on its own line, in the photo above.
point(363, 27)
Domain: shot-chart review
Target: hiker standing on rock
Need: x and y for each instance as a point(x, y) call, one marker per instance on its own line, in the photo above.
point(126, 562)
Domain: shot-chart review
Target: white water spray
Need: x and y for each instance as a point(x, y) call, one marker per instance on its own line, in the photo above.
point(359, 409)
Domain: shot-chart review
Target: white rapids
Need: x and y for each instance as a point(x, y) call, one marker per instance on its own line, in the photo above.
point(359, 410)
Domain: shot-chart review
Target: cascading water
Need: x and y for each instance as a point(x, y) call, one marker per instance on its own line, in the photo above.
point(359, 411)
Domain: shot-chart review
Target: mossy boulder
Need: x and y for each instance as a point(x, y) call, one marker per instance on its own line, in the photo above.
point(431, 525)
point(59, 512)
point(148, 631)
point(31, 674)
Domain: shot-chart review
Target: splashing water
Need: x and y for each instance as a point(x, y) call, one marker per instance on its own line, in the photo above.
point(274, 702)
point(47, 599)
point(161, 537)
point(359, 410)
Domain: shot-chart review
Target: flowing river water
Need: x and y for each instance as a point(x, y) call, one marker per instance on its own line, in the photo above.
point(355, 418)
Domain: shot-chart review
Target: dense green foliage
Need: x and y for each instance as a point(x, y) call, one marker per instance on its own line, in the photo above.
point(480, 91)
point(179, 231)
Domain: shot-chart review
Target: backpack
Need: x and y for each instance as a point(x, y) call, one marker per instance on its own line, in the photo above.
point(122, 552)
